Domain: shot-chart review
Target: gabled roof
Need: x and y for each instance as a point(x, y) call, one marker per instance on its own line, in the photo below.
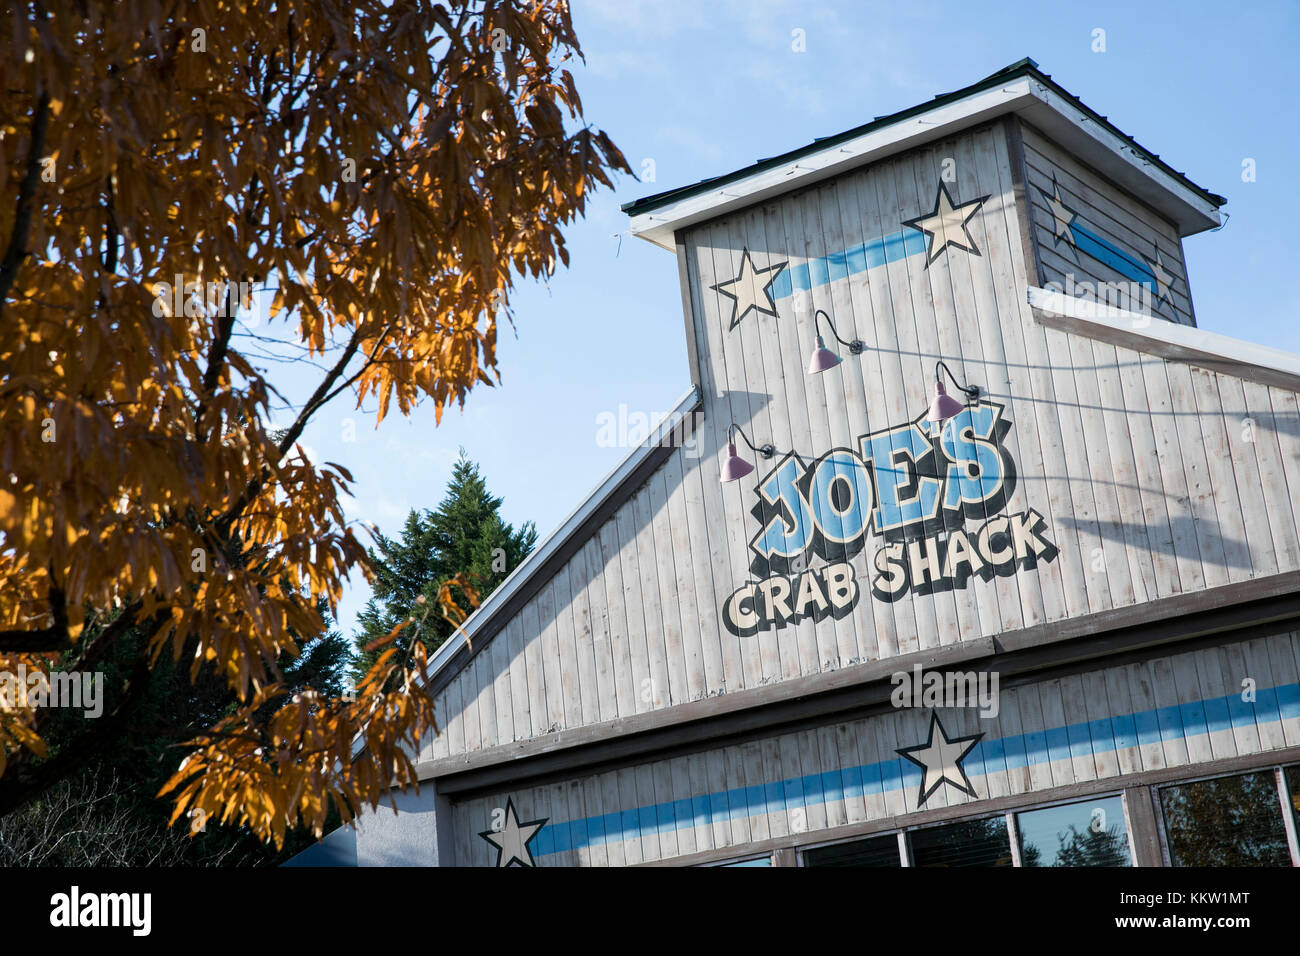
point(1020, 88)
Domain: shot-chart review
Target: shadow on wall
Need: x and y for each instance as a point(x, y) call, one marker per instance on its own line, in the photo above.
point(1155, 538)
point(1161, 537)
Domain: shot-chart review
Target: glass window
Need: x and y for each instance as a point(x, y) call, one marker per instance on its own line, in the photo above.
point(969, 843)
point(876, 851)
point(757, 861)
point(1091, 833)
point(1228, 821)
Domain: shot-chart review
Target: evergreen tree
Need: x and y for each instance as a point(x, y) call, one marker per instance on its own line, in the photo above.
point(465, 535)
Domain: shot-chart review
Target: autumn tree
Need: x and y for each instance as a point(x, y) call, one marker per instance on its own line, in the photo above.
point(107, 812)
point(387, 169)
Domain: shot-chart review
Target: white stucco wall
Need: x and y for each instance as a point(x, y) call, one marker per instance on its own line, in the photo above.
point(406, 838)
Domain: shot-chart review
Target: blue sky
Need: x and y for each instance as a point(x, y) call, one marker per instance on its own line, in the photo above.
point(702, 88)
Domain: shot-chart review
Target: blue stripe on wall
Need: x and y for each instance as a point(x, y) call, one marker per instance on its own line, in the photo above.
point(910, 242)
point(847, 262)
point(1159, 725)
point(1089, 242)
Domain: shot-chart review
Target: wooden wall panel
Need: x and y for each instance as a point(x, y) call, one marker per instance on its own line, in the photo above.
point(584, 639)
point(882, 376)
point(1012, 273)
point(724, 552)
point(977, 280)
point(818, 209)
point(1129, 228)
point(1151, 478)
point(943, 324)
point(538, 722)
point(1176, 710)
point(908, 379)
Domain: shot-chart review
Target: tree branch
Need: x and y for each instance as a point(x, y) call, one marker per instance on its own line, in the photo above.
point(322, 393)
point(16, 253)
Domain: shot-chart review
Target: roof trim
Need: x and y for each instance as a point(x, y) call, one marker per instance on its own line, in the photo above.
point(483, 623)
point(1020, 87)
point(1156, 336)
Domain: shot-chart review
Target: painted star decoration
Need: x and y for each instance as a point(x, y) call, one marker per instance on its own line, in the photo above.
point(940, 760)
point(1062, 215)
point(513, 838)
point(947, 224)
point(751, 290)
point(1164, 280)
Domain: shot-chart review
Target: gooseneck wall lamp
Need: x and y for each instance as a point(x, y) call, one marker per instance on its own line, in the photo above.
point(823, 358)
point(944, 405)
point(733, 466)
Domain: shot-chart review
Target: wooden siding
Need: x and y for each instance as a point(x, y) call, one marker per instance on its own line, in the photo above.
point(1109, 213)
point(1153, 478)
point(1167, 712)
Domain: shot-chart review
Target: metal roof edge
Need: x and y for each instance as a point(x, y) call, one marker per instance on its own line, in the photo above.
point(1025, 67)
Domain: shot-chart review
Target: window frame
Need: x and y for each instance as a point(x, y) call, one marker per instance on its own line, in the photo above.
point(1012, 827)
point(1137, 827)
point(899, 834)
point(1013, 831)
point(1290, 823)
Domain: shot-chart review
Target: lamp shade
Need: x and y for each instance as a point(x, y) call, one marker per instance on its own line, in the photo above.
point(733, 466)
point(822, 359)
point(944, 405)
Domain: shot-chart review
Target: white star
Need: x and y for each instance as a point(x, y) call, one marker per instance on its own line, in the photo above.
point(1062, 215)
point(940, 760)
point(748, 291)
point(513, 838)
point(946, 225)
point(1164, 279)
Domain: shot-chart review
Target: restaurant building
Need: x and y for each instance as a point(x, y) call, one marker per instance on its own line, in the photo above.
point(831, 614)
